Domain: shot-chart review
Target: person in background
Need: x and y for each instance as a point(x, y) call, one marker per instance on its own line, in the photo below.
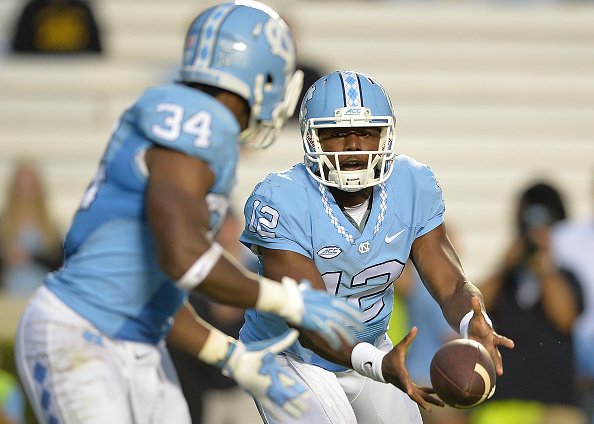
point(57, 27)
point(90, 346)
point(537, 303)
point(573, 248)
point(30, 240)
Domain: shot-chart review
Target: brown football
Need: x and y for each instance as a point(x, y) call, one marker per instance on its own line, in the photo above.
point(463, 373)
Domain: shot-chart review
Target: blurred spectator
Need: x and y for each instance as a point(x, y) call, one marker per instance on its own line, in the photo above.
point(535, 303)
point(573, 247)
point(30, 242)
point(12, 400)
point(212, 397)
point(56, 26)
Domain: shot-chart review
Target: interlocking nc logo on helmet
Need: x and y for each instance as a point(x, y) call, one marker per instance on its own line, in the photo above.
point(246, 49)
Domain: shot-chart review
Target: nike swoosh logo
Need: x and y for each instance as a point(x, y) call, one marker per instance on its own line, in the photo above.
point(390, 239)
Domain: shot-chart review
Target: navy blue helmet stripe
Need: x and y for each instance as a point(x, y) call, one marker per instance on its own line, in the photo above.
point(344, 100)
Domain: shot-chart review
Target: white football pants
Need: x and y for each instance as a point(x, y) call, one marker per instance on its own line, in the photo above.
point(74, 374)
point(347, 397)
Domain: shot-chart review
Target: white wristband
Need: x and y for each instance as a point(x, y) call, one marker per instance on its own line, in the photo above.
point(201, 268)
point(466, 321)
point(217, 348)
point(271, 296)
point(283, 299)
point(367, 360)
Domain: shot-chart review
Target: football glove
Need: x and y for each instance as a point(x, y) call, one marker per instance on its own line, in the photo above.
point(316, 310)
point(253, 367)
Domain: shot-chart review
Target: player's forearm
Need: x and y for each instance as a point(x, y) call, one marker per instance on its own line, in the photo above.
point(218, 275)
point(209, 269)
point(360, 357)
point(314, 342)
point(193, 335)
point(458, 303)
point(491, 287)
point(189, 258)
point(188, 334)
point(229, 282)
point(179, 224)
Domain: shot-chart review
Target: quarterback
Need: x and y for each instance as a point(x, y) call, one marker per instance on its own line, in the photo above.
point(348, 218)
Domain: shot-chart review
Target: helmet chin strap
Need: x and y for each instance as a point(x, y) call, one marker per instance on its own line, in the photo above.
point(350, 181)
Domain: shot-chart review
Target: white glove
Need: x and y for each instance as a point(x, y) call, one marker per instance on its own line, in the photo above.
point(254, 368)
point(316, 310)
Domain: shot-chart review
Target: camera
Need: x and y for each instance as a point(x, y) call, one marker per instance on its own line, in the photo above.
point(535, 215)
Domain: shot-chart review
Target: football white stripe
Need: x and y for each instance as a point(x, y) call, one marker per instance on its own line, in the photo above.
point(480, 370)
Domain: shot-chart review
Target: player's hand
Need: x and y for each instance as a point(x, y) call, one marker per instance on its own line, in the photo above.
point(253, 367)
point(480, 330)
point(395, 372)
point(316, 310)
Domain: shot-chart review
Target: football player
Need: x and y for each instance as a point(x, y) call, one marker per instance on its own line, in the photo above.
point(90, 343)
point(348, 218)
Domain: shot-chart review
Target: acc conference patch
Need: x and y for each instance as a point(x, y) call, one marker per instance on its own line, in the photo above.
point(329, 252)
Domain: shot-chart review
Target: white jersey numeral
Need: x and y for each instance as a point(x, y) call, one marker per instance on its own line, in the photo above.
point(198, 125)
point(369, 283)
point(262, 224)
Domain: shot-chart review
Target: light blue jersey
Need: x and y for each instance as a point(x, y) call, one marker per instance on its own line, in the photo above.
point(291, 211)
point(111, 275)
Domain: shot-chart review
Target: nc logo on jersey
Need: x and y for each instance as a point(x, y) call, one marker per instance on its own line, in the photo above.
point(364, 247)
point(329, 252)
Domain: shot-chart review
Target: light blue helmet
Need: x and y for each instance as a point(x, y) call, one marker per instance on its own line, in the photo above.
point(246, 48)
point(347, 99)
